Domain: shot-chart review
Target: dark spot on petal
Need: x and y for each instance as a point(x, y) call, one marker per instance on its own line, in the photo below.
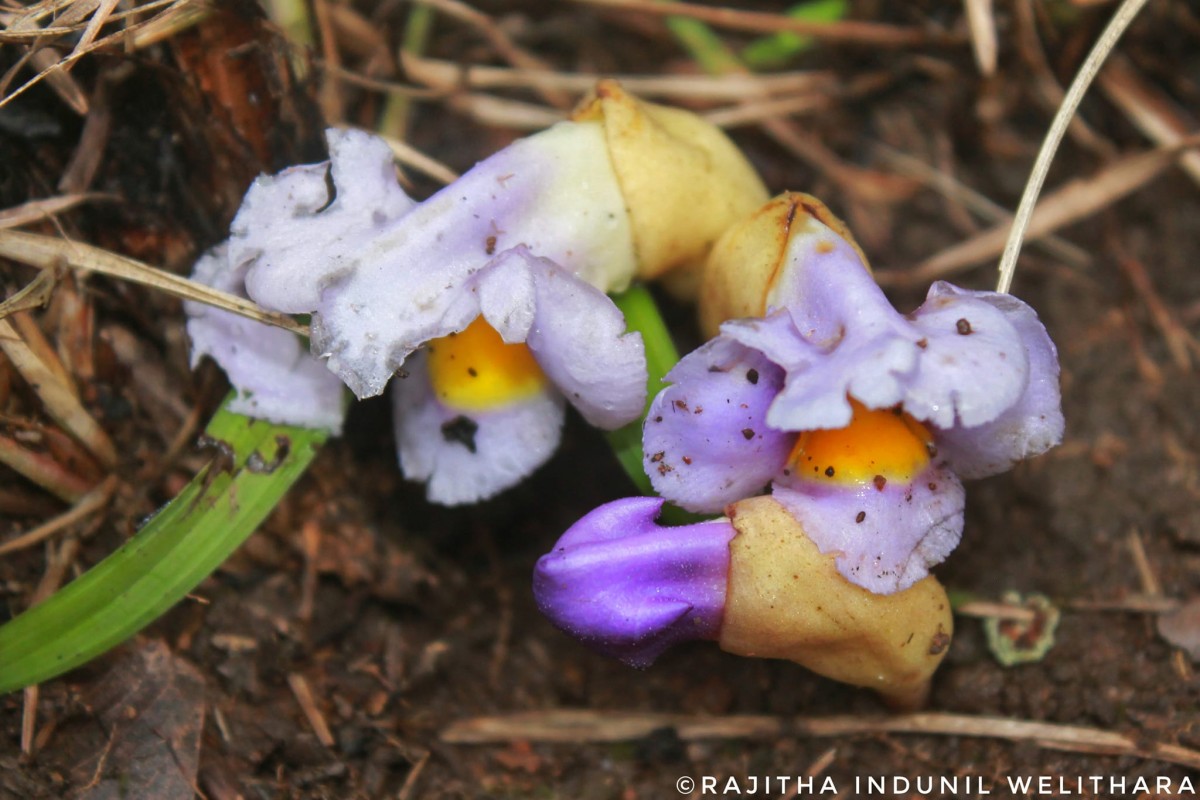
point(922, 343)
point(829, 472)
point(752, 375)
point(939, 642)
point(664, 468)
point(681, 405)
point(699, 410)
point(658, 419)
point(657, 457)
point(748, 433)
point(879, 482)
point(489, 245)
point(932, 448)
point(932, 486)
point(461, 430)
point(687, 459)
point(861, 516)
point(963, 326)
point(474, 373)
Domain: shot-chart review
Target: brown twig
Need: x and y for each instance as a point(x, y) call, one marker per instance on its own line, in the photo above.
point(89, 504)
point(308, 705)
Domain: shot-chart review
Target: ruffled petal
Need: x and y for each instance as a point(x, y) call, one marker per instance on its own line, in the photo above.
point(886, 537)
point(379, 284)
point(706, 440)
point(299, 238)
point(1027, 428)
point(630, 589)
point(574, 331)
point(275, 377)
point(973, 362)
point(470, 456)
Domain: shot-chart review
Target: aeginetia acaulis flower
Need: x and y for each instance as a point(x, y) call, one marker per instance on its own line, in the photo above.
point(858, 420)
point(490, 296)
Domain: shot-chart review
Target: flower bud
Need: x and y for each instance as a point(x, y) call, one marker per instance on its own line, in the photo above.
point(785, 599)
point(684, 182)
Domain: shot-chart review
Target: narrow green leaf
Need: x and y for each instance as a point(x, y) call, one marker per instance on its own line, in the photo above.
point(641, 315)
point(775, 50)
point(255, 465)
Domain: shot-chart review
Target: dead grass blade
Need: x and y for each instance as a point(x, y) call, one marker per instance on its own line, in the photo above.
point(988, 210)
point(89, 504)
point(586, 726)
point(37, 210)
point(449, 76)
point(1149, 109)
point(47, 252)
point(34, 294)
point(879, 35)
point(1076, 200)
point(982, 24)
point(60, 402)
point(503, 44)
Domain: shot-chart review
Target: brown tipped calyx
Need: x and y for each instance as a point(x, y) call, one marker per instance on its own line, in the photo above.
point(683, 180)
point(785, 599)
point(746, 262)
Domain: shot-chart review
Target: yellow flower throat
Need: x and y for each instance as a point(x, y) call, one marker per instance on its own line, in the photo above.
point(878, 445)
point(475, 370)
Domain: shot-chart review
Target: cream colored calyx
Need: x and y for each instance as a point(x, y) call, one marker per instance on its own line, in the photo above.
point(684, 182)
point(787, 600)
point(747, 262)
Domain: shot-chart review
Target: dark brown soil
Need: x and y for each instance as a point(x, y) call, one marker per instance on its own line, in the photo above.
point(401, 618)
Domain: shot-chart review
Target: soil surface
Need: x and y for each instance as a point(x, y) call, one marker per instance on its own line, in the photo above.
point(331, 655)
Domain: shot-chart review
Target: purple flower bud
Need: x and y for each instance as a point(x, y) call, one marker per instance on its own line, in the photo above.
point(629, 588)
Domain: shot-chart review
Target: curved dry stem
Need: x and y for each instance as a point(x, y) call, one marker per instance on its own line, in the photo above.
point(1083, 79)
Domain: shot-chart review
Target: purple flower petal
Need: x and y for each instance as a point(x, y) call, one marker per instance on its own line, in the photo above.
point(973, 362)
point(574, 331)
point(470, 456)
point(886, 537)
point(1030, 426)
point(380, 280)
point(275, 376)
point(630, 589)
point(706, 441)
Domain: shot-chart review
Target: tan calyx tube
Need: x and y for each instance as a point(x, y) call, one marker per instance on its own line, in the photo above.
point(787, 600)
point(683, 180)
point(746, 262)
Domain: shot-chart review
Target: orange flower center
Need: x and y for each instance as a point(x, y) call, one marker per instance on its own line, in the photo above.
point(475, 370)
point(878, 444)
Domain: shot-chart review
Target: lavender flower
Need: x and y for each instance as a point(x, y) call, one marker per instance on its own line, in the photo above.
point(490, 295)
point(860, 419)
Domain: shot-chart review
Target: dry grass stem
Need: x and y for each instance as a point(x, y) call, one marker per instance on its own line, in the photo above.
point(502, 113)
point(87, 505)
point(34, 294)
point(410, 156)
point(982, 206)
point(879, 35)
point(37, 210)
point(450, 76)
point(984, 609)
point(60, 401)
point(755, 112)
point(578, 726)
point(1074, 201)
point(1149, 109)
point(47, 252)
point(308, 705)
point(42, 470)
point(982, 24)
point(503, 44)
point(1179, 341)
point(1125, 14)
